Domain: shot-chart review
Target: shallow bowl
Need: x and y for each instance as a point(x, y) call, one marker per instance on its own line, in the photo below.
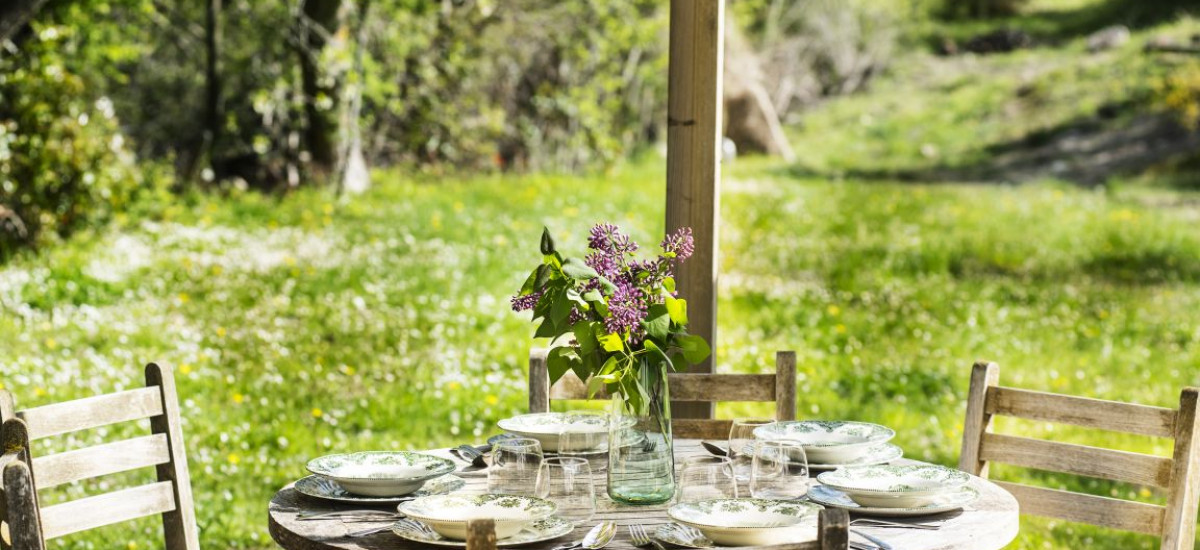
point(828, 441)
point(748, 521)
point(895, 486)
point(449, 514)
point(381, 473)
point(546, 427)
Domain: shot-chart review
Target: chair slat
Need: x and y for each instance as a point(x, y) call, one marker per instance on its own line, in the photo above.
point(92, 412)
point(101, 460)
point(687, 387)
point(92, 512)
point(694, 428)
point(1082, 411)
point(1102, 511)
point(1077, 459)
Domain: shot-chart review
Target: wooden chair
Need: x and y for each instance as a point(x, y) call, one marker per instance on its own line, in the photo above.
point(779, 388)
point(23, 475)
point(1175, 523)
point(833, 533)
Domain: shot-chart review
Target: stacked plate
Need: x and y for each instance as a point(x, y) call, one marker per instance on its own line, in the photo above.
point(442, 519)
point(375, 475)
point(831, 444)
point(748, 521)
point(899, 490)
point(591, 427)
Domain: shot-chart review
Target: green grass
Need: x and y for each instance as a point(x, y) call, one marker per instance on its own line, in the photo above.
point(309, 325)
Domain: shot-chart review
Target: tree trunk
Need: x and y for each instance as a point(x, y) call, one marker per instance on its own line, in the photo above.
point(15, 14)
point(751, 121)
point(212, 76)
point(319, 22)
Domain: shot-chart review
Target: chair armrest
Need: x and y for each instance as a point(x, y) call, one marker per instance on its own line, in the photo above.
point(8, 458)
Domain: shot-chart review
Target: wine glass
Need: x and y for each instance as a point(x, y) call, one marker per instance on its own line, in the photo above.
point(742, 444)
point(707, 477)
point(515, 466)
point(568, 483)
point(780, 471)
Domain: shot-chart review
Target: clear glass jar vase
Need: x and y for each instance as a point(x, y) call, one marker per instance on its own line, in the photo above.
point(641, 454)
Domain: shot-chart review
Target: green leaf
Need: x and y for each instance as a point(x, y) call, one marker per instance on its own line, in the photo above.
point(593, 295)
point(531, 283)
point(547, 241)
point(578, 270)
point(677, 309)
point(669, 284)
point(610, 366)
point(586, 337)
point(612, 342)
point(607, 284)
point(589, 365)
point(561, 307)
point(543, 276)
point(694, 348)
point(595, 384)
point(658, 322)
point(559, 361)
point(546, 330)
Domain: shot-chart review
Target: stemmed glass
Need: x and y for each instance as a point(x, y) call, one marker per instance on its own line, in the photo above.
point(780, 471)
point(568, 483)
point(515, 466)
point(707, 477)
point(742, 444)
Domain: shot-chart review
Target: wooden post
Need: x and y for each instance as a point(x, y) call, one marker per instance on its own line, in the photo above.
point(539, 382)
point(1179, 525)
point(179, 525)
point(984, 375)
point(481, 534)
point(833, 529)
point(785, 385)
point(693, 163)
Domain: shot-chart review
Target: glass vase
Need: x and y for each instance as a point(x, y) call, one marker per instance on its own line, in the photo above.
point(641, 457)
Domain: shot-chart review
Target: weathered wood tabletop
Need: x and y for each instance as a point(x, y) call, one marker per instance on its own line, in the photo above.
point(989, 523)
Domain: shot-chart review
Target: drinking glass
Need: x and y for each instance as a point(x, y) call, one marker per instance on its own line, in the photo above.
point(780, 471)
point(568, 483)
point(707, 477)
point(588, 444)
point(742, 444)
point(515, 466)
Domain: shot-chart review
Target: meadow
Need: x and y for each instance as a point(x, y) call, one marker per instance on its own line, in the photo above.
point(311, 324)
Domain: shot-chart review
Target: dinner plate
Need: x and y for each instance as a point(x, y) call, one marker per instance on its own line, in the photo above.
point(833, 498)
point(749, 521)
point(538, 531)
point(879, 454)
point(326, 489)
point(381, 473)
point(828, 441)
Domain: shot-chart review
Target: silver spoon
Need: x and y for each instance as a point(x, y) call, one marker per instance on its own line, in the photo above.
point(598, 537)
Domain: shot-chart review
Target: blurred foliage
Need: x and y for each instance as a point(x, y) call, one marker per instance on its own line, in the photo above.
point(979, 9)
point(1179, 93)
point(63, 161)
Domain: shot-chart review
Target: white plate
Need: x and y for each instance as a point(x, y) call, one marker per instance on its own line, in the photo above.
point(833, 498)
point(749, 521)
point(449, 514)
point(546, 427)
point(381, 473)
point(879, 454)
point(538, 531)
point(895, 485)
point(828, 441)
point(326, 489)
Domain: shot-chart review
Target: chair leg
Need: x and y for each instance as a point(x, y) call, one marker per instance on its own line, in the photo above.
point(481, 534)
point(833, 529)
point(24, 524)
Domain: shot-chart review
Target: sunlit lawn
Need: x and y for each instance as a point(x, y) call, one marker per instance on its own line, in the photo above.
point(312, 325)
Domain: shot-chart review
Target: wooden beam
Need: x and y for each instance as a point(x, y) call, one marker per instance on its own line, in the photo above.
point(693, 163)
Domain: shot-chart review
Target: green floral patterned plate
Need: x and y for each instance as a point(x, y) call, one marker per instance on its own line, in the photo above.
point(895, 486)
point(833, 498)
point(327, 489)
point(828, 441)
point(748, 521)
point(449, 514)
point(546, 427)
point(381, 473)
point(538, 531)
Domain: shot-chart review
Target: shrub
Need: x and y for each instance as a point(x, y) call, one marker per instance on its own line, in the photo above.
point(63, 163)
point(1179, 94)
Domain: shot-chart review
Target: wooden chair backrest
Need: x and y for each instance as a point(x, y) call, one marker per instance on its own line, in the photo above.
point(833, 533)
point(163, 449)
point(779, 388)
point(1175, 523)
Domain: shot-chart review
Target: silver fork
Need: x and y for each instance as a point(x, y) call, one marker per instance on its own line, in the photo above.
point(413, 526)
point(879, 523)
point(639, 537)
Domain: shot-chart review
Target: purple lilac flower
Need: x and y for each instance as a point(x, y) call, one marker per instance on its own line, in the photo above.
point(526, 302)
point(607, 237)
point(604, 264)
point(681, 243)
point(576, 316)
point(626, 309)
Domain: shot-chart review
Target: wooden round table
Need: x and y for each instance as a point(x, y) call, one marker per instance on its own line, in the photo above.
point(989, 523)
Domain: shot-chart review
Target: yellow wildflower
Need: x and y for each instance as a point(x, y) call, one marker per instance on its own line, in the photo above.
point(220, 332)
point(185, 368)
point(317, 413)
point(492, 400)
point(50, 343)
point(233, 458)
point(840, 328)
point(833, 310)
point(238, 398)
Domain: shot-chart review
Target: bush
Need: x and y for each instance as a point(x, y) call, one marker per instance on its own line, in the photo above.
point(1179, 94)
point(980, 9)
point(63, 163)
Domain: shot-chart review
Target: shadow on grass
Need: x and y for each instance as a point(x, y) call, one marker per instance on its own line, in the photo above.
point(1053, 26)
point(1087, 151)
